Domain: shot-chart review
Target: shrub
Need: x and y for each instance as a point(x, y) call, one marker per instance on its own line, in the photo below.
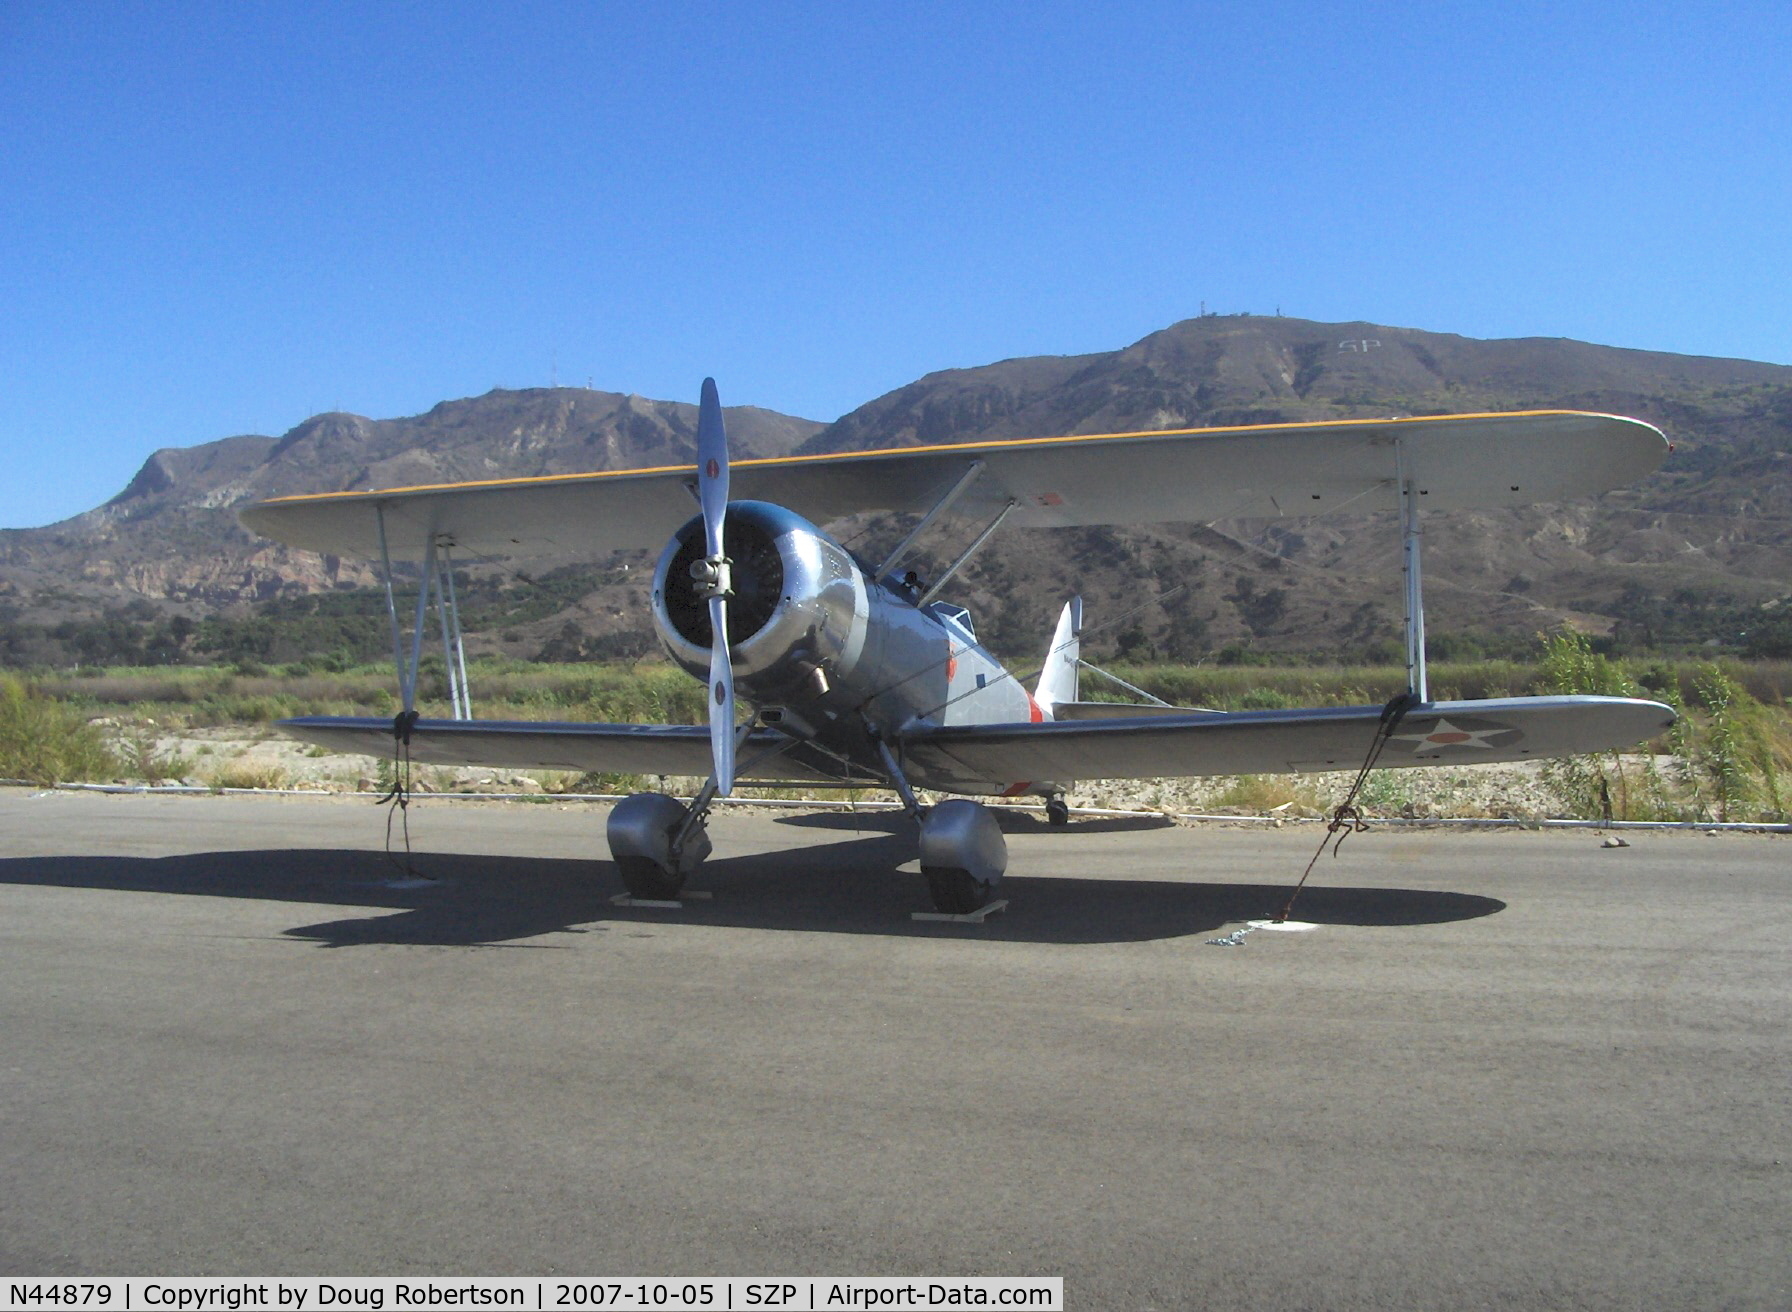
point(1739, 755)
point(247, 772)
point(143, 759)
point(1593, 785)
point(1264, 793)
point(46, 742)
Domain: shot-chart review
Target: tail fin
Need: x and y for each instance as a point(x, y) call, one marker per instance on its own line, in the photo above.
point(1058, 678)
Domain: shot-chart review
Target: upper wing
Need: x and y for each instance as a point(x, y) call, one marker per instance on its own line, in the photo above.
point(1164, 744)
point(1185, 475)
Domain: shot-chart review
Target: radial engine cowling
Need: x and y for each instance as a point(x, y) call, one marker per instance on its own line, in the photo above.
point(799, 602)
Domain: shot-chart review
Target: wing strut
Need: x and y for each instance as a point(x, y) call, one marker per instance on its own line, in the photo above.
point(379, 514)
point(408, 677)
point(437, 581)
point(967, 553)
point(940, 507)
point(1410, 537)
point(454, 648)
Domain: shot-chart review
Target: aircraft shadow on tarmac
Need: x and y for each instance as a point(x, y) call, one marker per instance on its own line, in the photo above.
point(853, 886)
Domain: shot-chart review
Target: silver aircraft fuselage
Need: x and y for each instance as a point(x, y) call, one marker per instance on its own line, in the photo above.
point(825, 646)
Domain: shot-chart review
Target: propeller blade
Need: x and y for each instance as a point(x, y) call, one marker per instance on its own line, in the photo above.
point(712, 493)
point(721, 699)
point(712, 467)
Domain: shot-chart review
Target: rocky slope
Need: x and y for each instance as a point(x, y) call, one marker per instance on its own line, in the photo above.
point(1714, 522)
point(171, 537)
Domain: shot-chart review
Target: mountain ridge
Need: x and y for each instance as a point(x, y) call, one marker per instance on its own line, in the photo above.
point(1715, 518)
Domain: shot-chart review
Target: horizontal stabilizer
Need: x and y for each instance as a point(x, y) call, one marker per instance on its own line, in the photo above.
point(1123, 710)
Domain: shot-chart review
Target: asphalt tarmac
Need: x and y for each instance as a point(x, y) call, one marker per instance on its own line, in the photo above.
point(1507, 1070)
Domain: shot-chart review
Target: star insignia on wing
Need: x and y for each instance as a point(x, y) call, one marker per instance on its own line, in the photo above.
point(1461, 732)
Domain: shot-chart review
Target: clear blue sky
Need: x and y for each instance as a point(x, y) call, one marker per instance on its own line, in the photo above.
point(222, 218)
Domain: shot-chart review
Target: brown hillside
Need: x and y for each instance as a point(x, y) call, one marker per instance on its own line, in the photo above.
point(1714, 522)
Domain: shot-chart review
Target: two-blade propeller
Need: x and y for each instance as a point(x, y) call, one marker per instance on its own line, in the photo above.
point(714, 579)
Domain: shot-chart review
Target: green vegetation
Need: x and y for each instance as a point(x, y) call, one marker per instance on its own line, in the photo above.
point(252, 693)
point(1270, 793)
point(332, 631)
point(45, 741)
point(247, 773)
point(1241, 687)
point(1689, 618)
point(1743, 752)
point(1724, 760)
point(1728, 759)
point(142, 757)
point(336, 631)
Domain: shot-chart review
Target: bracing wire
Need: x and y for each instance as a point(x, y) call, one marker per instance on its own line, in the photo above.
point(1346, 819)
point(397, 799)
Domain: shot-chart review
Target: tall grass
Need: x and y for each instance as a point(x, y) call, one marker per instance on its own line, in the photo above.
point(1723, 761)
point(1743, 753)
point(44, 741)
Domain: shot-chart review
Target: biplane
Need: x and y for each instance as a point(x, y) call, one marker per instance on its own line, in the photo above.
point(825, 668)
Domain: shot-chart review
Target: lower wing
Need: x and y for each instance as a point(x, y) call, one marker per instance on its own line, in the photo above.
point(1158, 742)
point(672, 749)
point(1105, 742)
